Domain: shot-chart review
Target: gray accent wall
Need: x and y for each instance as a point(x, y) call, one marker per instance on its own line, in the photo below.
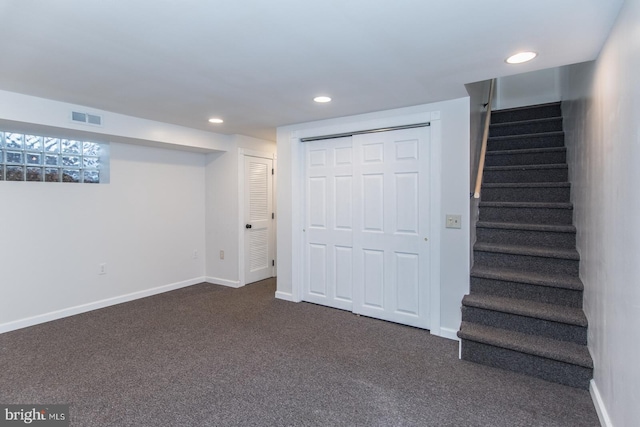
point(601, 110)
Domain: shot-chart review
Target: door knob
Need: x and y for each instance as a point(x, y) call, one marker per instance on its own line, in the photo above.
point(248, 226)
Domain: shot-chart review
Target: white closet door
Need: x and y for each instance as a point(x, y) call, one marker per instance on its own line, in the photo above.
point(391, 248)
point(366, 226)
point(258, 245)
point(328, 278)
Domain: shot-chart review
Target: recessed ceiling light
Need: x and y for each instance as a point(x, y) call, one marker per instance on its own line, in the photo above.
point(216, 120)
point(322, 99)
point(521, 57)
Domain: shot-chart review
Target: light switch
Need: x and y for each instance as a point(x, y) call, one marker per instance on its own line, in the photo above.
point(454, 221)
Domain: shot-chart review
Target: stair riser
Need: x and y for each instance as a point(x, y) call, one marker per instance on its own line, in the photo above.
point(526, 194)
point(544, 294)
point(524, 142)
point(533, 264)
point(526, 325)
point(524, 128)
point(525, 175)
point(516, 115)
point(539, 367)
point(526, 215)
point(526, 237)
point(517, 159)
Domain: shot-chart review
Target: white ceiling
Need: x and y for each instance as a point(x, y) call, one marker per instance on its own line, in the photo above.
point(259, 63)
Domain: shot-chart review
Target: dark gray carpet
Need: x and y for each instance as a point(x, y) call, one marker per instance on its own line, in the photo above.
point(213, 356)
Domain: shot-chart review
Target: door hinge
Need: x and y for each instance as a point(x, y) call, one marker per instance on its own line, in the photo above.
point(273, 215)
point(272, 171)
point(273, 262)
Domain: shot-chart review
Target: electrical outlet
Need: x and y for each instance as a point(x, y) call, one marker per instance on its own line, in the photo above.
point(102, 269)
point(195, 254)
point(454, 221)
point(221, 254)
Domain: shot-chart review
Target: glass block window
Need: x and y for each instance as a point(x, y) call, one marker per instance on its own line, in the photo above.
point(26, 157)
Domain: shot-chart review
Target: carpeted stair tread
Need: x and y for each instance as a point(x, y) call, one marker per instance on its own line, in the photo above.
point(529, 121)
point(529, 227)
point(541, 205)
point(526, 135)
point(561, 351)
point(558, 253)
point(525, 127)
point(526, 151)
point(527, 308)
point(552, 109)
point(537, 279)
point(527, 185)
point(526, 167)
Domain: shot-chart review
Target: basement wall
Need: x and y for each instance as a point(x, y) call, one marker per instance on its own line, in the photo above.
point(144, 225)
point(601, 113)
point(171, 205)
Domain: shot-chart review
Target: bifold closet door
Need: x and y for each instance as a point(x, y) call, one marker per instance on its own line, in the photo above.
point(328, 276)
point(367, 218)
point(390, 245)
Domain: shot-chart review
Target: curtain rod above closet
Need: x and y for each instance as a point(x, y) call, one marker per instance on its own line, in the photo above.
point(360, 132)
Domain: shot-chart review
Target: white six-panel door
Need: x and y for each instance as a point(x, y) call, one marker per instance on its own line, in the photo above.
point(391, 247)
point(367, 223)
point(329, 223)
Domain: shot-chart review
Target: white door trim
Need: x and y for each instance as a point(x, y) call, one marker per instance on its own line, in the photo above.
point(242, 153)
point(299, 197)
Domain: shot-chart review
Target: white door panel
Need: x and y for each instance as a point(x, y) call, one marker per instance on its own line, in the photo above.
point(391, 223)
point(367, 224)
point(328, 276)
point(258, 244)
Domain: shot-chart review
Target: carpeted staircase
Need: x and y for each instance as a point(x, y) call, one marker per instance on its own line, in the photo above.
point(524, 311)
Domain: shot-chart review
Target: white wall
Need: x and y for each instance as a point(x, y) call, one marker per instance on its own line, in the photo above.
point(145, 225)
point(602, 126)
point(160, 206)
point(535, 87)
point(223, 219)
point(450, 140)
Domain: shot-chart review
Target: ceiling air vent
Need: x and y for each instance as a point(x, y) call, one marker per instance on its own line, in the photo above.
point(86, 118)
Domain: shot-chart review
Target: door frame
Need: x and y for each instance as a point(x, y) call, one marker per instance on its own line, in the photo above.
point(242, 154)
point(299, 197)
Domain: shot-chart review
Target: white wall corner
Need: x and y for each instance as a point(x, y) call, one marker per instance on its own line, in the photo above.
point(224, 282)
point(601, 409)
point(448, 333)
point(286, 296)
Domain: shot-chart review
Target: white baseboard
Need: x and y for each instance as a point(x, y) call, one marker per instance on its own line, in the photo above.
point(286, 296)
point(601, 409)
point(72, 311)
point(448, 333)
point(223, 282)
